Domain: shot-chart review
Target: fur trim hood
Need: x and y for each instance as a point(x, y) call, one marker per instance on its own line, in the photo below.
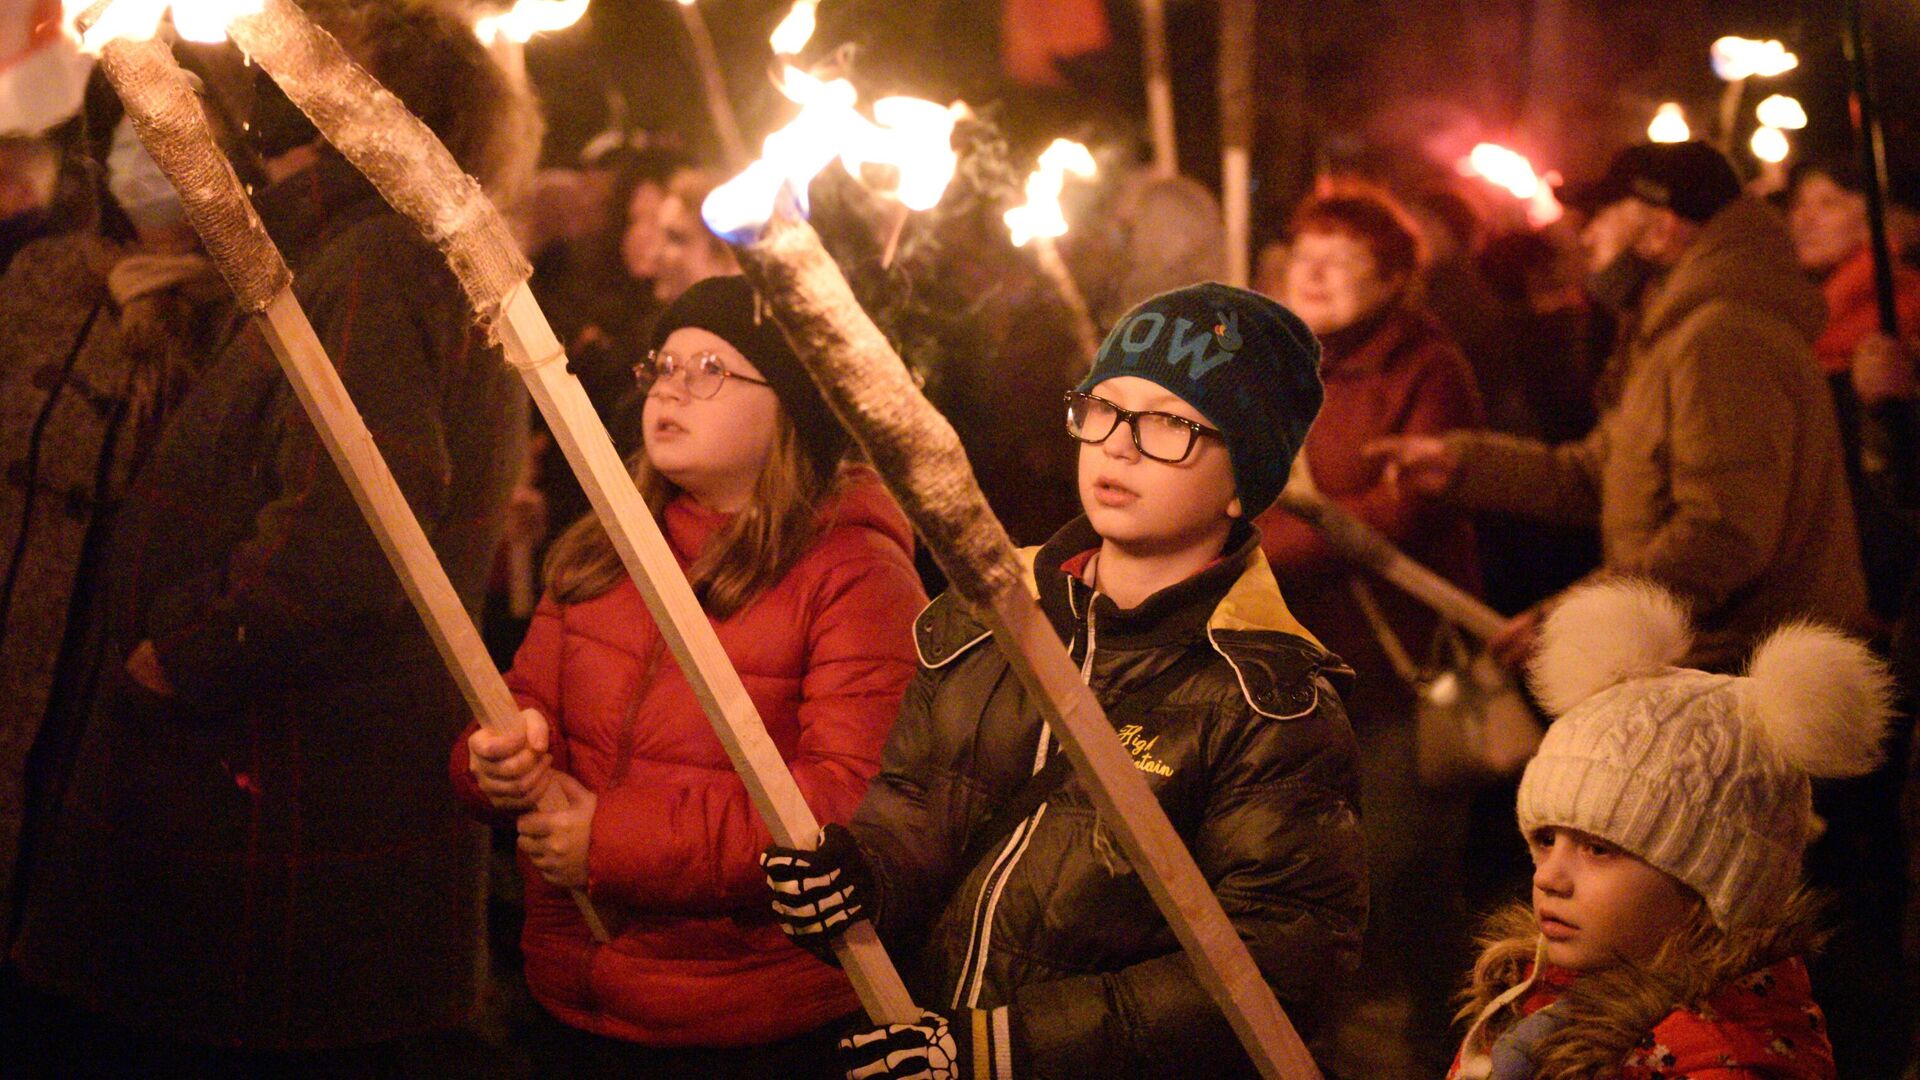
point(1710, 999)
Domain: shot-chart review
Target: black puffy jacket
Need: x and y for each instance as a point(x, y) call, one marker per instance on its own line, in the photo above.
point(1252, 758)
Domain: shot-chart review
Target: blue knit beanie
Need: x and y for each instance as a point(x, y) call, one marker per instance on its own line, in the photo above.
point(1249, 365)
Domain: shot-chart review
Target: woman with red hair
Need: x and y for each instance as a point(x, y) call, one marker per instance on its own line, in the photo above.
point(1389, 368)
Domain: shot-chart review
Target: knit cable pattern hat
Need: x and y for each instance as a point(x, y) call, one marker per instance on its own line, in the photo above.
point(1703, 776)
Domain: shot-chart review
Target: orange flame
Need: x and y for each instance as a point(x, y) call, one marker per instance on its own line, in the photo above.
point(529, 17)
point(1508, 169)
point(913, 138)
point(1041, 214)
point(194, 20)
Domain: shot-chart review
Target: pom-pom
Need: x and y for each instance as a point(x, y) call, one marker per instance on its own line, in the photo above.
point(1824, 699)
point(1604, 634)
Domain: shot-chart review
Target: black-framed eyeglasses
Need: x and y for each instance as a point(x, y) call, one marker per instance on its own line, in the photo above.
point(705, 372)
point(1157, 435)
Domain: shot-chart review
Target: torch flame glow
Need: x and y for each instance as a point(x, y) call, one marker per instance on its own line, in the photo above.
point(911, 138)
point(1669, 125)
point(1041, 214)
point(1783, 112)
point(1736, 58)
point(1770, 145)
point(796, 29)
point(1509, 169)
point(527, 18)
point(915, 137)
point(194, 20)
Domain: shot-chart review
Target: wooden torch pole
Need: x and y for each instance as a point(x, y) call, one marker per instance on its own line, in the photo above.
point(1086, 334)
point(1153, 34)
point(1363, 545)
point(1238, 20)
point(713, 82)
point(920, 457)
point(167, 117)
point(415, 173)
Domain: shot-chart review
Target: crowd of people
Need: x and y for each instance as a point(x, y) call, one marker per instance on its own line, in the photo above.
point(249, 828)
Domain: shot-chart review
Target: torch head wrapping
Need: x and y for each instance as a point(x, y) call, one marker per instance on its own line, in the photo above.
point(168, 117)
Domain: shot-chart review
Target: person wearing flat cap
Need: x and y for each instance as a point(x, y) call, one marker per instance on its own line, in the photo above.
point(1715, 470)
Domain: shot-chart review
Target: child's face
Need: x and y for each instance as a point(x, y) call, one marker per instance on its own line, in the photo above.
point(1154, 507)
point(1597, 905)
point(715, 447)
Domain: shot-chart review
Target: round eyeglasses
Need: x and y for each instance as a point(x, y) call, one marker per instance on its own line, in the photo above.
point(1157, 435)
point(705, 373)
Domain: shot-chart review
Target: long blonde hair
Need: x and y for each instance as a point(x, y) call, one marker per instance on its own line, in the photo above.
point(1609, 1012)
point(747, 557)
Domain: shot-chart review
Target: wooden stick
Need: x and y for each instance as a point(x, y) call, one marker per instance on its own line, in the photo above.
point(1153, 33)
point(1730, 99)
point(920, 457)
point(366, 123)
point(713, 82)
point(1238, 19)
point(1362, 544)
point(167, 117)
point(523, 591)
point(1086, 335)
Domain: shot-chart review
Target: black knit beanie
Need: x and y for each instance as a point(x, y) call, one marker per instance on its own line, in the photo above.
point(1249, 365)
point(728, 308)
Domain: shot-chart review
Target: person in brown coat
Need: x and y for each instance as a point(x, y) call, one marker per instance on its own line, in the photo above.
point(1389, 368)
point(1716, 472)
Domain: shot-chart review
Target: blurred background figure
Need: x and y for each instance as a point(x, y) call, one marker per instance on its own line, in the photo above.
point(1827, 216)
point(1871, 378)
point(1156, 233)
point(1389, 368)
point(685, 251)
point(29, 169)
point(103, 331)
point(1539, 385)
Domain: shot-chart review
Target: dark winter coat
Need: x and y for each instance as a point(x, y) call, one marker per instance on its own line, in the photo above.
point(1251, 757)
point(98, 342)
point(1400, 375)
point(673, 857)
point(272, 857)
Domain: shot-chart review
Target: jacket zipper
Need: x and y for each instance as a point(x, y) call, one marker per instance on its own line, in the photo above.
point(966, 993)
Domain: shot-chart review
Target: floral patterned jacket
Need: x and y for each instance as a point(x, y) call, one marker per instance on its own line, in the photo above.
point(1764, 1024)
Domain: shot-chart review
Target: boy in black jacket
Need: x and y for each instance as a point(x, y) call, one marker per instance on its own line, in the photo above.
point(1038, 950)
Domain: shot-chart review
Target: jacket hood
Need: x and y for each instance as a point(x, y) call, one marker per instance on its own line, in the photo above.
point(862, 502)
point(1743, 256)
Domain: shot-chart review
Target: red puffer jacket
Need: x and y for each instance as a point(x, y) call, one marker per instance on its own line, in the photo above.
point(696, 959)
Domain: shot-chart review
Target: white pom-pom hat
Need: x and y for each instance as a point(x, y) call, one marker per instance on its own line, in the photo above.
point(1703, 776)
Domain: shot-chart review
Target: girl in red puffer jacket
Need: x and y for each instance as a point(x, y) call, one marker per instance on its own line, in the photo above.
point(805, 568)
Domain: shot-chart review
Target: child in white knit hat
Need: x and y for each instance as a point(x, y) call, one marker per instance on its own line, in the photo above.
point(1667, 813)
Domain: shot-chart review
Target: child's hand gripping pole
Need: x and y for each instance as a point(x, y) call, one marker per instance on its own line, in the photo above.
point(417, 175)
point(921, 459)
point(167, 116)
